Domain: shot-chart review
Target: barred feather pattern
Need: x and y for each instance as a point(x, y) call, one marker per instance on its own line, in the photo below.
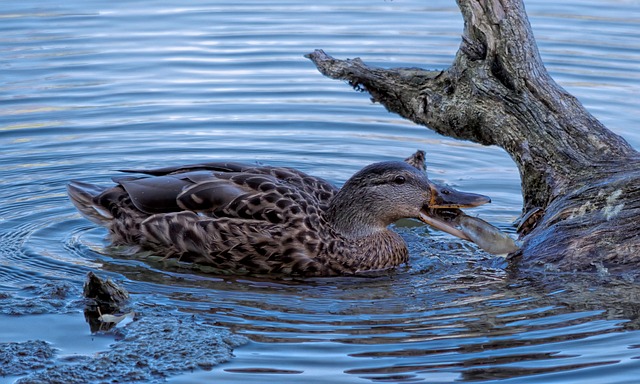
point(241, 218)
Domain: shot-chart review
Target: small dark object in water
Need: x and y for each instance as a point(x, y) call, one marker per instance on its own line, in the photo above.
point(105, 298)
point(104, 292)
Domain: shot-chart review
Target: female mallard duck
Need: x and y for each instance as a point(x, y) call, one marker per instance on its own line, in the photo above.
point(260, 219)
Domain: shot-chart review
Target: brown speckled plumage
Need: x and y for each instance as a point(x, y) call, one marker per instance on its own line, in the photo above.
point(260, 219)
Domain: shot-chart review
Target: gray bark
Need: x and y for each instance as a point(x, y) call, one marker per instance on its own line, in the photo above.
point(584, 178)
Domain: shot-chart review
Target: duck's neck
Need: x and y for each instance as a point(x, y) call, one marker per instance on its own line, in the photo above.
point(354, 215)
point(382, 250)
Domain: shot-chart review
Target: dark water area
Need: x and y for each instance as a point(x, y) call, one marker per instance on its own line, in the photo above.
point(87, 88)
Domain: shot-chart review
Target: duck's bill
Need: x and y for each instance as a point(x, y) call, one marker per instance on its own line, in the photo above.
point(441, 210)
point(447, 197)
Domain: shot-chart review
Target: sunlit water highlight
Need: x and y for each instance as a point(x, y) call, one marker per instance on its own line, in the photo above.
point(88, 88)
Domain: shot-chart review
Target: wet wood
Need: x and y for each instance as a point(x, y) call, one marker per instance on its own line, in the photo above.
point(105, 303)
point(105, 292)
point(583, 178)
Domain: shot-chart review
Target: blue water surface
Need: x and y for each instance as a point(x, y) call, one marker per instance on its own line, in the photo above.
point(90, 87)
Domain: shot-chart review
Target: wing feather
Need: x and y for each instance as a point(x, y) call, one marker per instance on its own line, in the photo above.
point(210, 196)
point(224, 189)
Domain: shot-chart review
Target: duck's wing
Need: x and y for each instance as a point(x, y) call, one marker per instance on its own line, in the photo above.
point(321, 190)
point(161, 194)
point(246, 196)
point(237, 178)
point(317, 186)
point(271, 194)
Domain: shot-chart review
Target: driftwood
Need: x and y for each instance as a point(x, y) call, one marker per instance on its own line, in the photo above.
point(104, 301)
point(580, 181)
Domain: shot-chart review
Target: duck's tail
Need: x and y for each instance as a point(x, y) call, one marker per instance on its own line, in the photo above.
point(83, 196)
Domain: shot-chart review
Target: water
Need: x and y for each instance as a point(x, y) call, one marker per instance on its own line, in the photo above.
point(88, 88)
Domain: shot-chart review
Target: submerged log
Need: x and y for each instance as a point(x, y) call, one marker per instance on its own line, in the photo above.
point(580, 181)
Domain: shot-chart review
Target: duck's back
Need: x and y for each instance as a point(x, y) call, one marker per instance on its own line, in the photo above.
point(225, 189)
point(229, 215)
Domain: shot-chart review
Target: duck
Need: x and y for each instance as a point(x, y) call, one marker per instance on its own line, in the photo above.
point(269, 220)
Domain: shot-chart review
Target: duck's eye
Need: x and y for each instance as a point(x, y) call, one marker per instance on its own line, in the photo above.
point(399, 180)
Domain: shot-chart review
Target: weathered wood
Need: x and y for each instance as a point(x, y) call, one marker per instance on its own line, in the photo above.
point(498, 92)
point(104, 298)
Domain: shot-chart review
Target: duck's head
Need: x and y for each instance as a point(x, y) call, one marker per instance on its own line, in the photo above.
point(383, 193)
